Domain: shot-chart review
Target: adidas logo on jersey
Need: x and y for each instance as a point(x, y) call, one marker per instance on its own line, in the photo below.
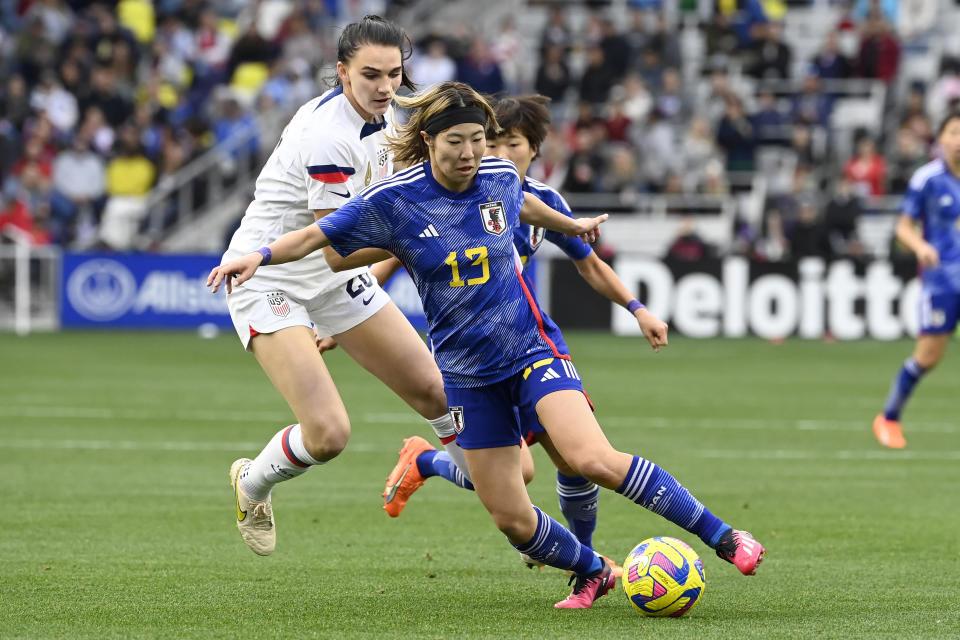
point(429, 232)
point(550, 375)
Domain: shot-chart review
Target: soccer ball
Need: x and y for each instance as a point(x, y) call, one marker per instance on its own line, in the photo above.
point(663, 577)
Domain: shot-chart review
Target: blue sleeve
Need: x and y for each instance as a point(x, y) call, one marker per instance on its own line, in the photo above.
point(575, 248)
point(360, 223)
point(913, 199)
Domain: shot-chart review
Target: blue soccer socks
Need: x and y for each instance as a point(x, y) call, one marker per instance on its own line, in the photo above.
point(554, 545)
point(578, 501)
point(439, 463)
point(902, 387)
point(653, 488)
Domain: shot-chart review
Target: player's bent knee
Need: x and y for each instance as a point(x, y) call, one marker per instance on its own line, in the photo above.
point(596, 469)
point(326, 437)
point(516, 527)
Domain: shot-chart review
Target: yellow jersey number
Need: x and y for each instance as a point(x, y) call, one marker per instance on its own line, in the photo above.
point(479, 256)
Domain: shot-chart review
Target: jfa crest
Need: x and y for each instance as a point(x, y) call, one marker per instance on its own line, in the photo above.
point(493, 218)
point(457, 414)
point(278, 304)
point(536, 236)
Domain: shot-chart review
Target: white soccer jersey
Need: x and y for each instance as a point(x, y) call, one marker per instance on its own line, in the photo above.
point(327, 153)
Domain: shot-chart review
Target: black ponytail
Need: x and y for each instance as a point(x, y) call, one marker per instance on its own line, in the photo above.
point(375, 30)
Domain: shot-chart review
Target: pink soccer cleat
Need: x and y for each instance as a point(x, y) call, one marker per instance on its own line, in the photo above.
point(741, 550)
point(587, 589)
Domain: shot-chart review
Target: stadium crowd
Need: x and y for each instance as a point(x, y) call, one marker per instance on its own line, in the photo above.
point(103, 101)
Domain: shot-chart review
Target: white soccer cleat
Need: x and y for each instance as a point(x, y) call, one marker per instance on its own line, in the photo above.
point(530, 562)
point(254, 517)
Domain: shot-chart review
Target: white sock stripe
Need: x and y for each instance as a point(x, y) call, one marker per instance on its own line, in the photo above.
point(696, 515)
point(646, 478)
point(580, 491)
point(638, 475)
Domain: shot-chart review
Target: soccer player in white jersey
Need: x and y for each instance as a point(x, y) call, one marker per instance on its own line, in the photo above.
point(493, 345)
point(524, 121)
point(332, 148)
point(933, 200)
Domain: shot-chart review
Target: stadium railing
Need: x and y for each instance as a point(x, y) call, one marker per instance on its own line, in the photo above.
point(28, 300)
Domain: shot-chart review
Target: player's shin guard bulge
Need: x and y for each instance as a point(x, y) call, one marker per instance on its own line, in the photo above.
point(405, 477)
point(741, 550)
point(254, 517)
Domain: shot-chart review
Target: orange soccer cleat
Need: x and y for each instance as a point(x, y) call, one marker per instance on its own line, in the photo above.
point(405, 477)
point(888, 432)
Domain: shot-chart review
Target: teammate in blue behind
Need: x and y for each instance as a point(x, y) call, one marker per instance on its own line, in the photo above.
point(524, 121)
point(933, 200)
point(450, 218)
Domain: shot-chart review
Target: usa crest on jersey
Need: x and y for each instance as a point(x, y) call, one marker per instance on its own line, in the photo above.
point(457, 414)
point(278, 304)
point(494, 221)
point(536, 236)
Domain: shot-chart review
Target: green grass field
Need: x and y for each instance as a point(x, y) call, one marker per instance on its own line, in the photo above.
point(118, 521)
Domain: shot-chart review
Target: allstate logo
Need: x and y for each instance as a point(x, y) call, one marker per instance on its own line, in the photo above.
point(101, 290)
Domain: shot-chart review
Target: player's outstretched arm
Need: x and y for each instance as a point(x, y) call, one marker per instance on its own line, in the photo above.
point(538, 214)
point(287, 248)
point(907, 233)
point(605, 281)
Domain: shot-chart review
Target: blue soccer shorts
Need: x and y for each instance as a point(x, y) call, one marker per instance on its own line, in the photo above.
point(495, 415)
point(939, 312)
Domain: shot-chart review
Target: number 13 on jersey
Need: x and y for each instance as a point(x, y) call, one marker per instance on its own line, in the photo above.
point(479, 257)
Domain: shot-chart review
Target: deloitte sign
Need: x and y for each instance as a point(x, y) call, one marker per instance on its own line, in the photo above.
point(139, 291)
point(810, 298)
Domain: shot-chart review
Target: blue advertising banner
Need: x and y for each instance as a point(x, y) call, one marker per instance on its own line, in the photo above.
point(145, 291)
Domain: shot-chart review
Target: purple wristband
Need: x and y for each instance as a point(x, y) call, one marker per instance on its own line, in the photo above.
point(633, 305)
point(267, 255)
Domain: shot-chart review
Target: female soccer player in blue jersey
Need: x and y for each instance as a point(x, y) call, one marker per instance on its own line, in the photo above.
point(933, 200)
point(450, 218)
point(524, 120)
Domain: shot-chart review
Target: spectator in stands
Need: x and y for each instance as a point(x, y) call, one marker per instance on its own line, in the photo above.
point(617, 122)
point(721, 40)
point(597, 78)
point(829, 62)
point(15, 101)
point(811, 106)
point(698, 150)
point(658, 144)
point(736, 136)
point(945, 89)
point(250, 58)
point(94, 128)
point(770, 57)
point(479, 70)
point(234, 120)
point(867, 169)
point(55, 16)
point(79, 184)
point(806, 233)
point(771, 245)
point(511, 53)
point(670, 100)
point(621, 175)
point(130, 175)
point(553, 80)
point(299, 42)
point(917, 21)
point(431, 65)
point(15, 215)
point(801, 143)
point(114, 106)
point(879, 55)
point(616, 49)
point(714, 182)
point(769, 123)
point(910, 152)
point(34, 51)
point(557, 31)
point(637, 101)
point(689, 246)
point(59, 104)
point(840, 218)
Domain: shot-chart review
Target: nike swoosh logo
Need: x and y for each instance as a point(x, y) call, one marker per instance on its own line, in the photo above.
point(392, 491)
point(342, 195)
point(367, 301)
point(241, 514)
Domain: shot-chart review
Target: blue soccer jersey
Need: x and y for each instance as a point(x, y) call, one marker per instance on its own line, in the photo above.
point(485, 323)
point(528, 239)
point(933, 199)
